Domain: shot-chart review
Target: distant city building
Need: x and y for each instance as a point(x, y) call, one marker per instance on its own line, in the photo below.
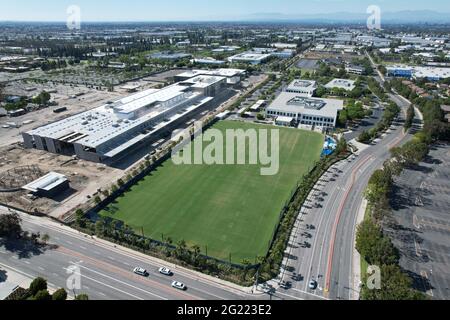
point(285, 54)
point(225, 49)
point(355, 69)
point(400, 71)
point(233, 76)
point(209, 61)
point(169, 56)
point(429, 73)
point(302, 87)
point(250, 57)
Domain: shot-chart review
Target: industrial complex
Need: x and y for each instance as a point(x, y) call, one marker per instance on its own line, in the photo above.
point(429, 73)
point(106, 133)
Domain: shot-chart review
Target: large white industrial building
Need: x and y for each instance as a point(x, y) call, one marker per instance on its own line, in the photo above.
point(305, 111)
point(109, 131)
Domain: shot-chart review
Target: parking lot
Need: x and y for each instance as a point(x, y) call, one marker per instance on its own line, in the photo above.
point(421, 228)
point(308, 64)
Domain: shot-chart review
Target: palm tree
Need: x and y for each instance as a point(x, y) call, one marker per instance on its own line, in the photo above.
point(246, 265)
point(196, 254)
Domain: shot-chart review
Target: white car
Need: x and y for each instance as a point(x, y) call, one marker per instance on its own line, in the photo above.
point(165, 271)
point(140, 271)
point(179, 285)
point(312, 284)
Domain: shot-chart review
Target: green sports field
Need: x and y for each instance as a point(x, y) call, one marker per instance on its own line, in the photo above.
point(231, 209)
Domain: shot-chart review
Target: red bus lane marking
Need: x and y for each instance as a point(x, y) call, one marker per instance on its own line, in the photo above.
point(341, 207)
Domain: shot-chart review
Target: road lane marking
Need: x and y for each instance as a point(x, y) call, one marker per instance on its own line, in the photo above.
point(338, 217)
point(122, 282)
point(109, 286)
point(288, 295)
point(309, 293)
point(123, 252)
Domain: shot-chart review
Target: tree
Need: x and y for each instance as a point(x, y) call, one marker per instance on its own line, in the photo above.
point(45, 238)
point(364, 137)
point(409, 117)
point(379, 186)
point(82, 296)
point(59, 295)
point(343, 118)
point(341, 146)
point(395, 285)
point(42, 295)
point(10, 225)
point(97, 200)
point(37, 285)
point(373, 246)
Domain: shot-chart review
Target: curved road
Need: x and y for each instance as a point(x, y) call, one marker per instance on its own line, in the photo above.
point(322, 244)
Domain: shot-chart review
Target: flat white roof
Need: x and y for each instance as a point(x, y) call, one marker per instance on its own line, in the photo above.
point(295, 103)
point(203, 81)
point(151, 97)
point(46, 183)
point(342, 84)
point(300, 84)
point(251, 56)
point(97, 126)
point(431, 72)
point(223, 72)
point(257, 105)
point(284, 119)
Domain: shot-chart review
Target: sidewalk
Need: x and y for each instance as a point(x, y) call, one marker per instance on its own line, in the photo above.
point(16, 278)
point(356, 256)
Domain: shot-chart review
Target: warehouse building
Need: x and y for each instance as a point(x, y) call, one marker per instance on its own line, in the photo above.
point(233, 76)
point(400, 71)
point(254, 56)
point(109, 132)
point(306, 112)
point(305, 88)
point(429, 73)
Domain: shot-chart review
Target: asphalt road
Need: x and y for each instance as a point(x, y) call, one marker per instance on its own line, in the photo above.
point(106, 271)
point(322, 244)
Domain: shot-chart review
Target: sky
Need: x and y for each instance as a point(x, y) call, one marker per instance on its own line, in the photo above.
point(179, 10)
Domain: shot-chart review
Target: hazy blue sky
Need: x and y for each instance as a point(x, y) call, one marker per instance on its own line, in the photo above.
point(153, 10)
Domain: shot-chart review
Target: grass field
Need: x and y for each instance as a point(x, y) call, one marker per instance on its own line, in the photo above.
point(231, 209)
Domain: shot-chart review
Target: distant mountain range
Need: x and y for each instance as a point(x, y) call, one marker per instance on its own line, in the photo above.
point(423, 16)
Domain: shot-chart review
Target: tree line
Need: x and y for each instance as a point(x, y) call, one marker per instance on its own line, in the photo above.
point(371, 242)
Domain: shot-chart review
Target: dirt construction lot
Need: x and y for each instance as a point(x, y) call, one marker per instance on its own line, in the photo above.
point(85, 179)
